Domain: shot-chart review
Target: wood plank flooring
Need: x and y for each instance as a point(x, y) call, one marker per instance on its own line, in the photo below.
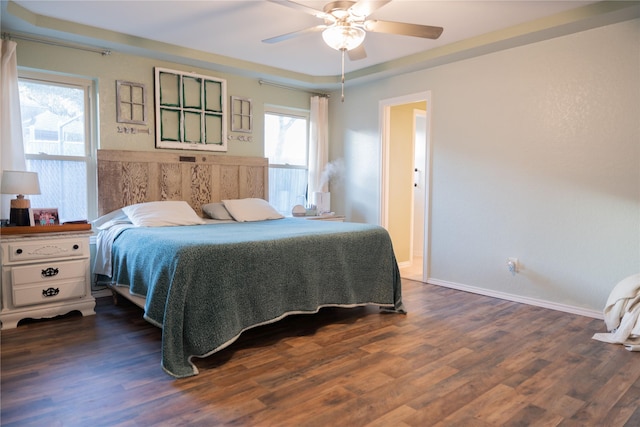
point(456, 359)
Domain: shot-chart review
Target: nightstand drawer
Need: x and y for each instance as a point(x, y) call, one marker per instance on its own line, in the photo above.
point(23, 251)
point(37, 274)
point(48, 292)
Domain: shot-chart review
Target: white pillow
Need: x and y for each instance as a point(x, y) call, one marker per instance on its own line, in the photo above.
point(110, 219)
point(160, 214)
point(244, 210)
point(216, 211)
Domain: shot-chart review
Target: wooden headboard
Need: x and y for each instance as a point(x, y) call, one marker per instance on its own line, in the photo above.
point(129, 177)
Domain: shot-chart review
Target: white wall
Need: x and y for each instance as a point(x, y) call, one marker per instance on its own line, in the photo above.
point(536, 155)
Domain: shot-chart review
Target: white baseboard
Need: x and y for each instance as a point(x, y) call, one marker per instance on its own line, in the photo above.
point(518, 298)
point(475, 290)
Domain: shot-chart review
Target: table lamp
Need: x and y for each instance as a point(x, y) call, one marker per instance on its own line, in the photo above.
point(20, 183)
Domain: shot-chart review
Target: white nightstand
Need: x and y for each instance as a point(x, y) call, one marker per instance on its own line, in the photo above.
point(45, 275)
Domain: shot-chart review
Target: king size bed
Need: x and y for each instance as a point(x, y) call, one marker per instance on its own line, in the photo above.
point(205, 281)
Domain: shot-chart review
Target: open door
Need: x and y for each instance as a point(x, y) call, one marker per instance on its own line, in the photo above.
point(405, 173)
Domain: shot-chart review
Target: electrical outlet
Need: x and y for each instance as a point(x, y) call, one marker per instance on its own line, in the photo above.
point(512, 265)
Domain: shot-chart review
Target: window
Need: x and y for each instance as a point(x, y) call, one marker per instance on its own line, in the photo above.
point(286, 137)
point(57, 127)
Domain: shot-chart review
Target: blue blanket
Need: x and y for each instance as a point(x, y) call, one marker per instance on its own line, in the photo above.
point(206, 284)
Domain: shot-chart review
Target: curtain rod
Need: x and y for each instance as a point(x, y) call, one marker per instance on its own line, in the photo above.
point(274, 84)
point(103, 52)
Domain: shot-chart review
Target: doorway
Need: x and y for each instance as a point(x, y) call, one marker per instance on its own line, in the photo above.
point(405, 176)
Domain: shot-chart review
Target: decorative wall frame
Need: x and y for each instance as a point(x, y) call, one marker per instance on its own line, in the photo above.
point(241, 114)
point(131, 102)
point(191, 111)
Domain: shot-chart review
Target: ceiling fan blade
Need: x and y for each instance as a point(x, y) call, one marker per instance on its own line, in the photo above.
point(301, 7)
point(293, 34)
point(357, 53)
point(367, 7)
point(405, 29)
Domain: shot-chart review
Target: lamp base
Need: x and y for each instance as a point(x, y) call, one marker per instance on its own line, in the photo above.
point(19, 217)
point(19, 212)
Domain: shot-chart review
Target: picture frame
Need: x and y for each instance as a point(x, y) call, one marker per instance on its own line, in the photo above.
point(43, 217)
point(131, 104)
point(241, 114)
point(190, 111)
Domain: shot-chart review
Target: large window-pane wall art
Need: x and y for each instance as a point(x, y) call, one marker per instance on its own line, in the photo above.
point(190, 111)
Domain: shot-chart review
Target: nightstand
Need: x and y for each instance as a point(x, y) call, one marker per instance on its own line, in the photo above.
point(45, 274)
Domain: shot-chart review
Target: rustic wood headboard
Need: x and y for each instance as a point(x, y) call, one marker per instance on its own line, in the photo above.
point(129, 177)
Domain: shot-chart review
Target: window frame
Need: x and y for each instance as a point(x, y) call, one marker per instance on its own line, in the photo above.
point(290, 112)
point(181, 107)
point(89, 87)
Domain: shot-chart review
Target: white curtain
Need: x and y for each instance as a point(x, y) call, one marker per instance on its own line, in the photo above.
point(11, 147)
point(318, 144)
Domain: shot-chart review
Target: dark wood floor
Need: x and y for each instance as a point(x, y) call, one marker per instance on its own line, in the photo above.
point(457, 359)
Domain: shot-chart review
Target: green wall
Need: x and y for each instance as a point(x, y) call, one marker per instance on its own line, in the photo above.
point(118, 66)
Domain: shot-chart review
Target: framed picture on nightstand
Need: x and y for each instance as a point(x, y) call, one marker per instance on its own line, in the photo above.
point(45, 216)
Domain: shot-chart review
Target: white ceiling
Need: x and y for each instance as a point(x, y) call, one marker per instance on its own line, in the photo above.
point(235, 29)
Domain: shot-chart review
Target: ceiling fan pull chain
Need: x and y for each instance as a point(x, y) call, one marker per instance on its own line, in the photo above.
point(342, 98)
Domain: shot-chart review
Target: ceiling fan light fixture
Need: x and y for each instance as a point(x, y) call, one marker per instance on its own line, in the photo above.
point(343, 37)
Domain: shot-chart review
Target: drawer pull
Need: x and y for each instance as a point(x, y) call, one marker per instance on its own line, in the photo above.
point(76, 247)
point(18, 251)
point(51, 292)
point(50, 272)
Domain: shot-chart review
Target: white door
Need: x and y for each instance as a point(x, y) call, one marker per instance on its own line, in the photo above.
point(419, 191)
point(424, 172)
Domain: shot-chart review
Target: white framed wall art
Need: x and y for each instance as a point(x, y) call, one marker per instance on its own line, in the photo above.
point(190, 111)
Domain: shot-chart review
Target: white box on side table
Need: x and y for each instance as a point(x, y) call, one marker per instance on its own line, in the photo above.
point(337, 218)
point(45, 275)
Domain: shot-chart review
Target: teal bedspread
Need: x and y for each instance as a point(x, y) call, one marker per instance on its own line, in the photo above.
point(206, 284)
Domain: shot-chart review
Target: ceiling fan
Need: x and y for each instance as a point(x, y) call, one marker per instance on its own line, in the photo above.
point(346, 25)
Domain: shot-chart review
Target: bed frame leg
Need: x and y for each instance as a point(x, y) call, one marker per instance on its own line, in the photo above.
point(114, 294)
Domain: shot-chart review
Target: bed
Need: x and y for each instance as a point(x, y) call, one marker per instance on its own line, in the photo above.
point(206, 281)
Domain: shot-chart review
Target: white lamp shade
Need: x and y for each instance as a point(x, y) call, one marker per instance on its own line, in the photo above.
point(343, 37)
point(20, 182)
